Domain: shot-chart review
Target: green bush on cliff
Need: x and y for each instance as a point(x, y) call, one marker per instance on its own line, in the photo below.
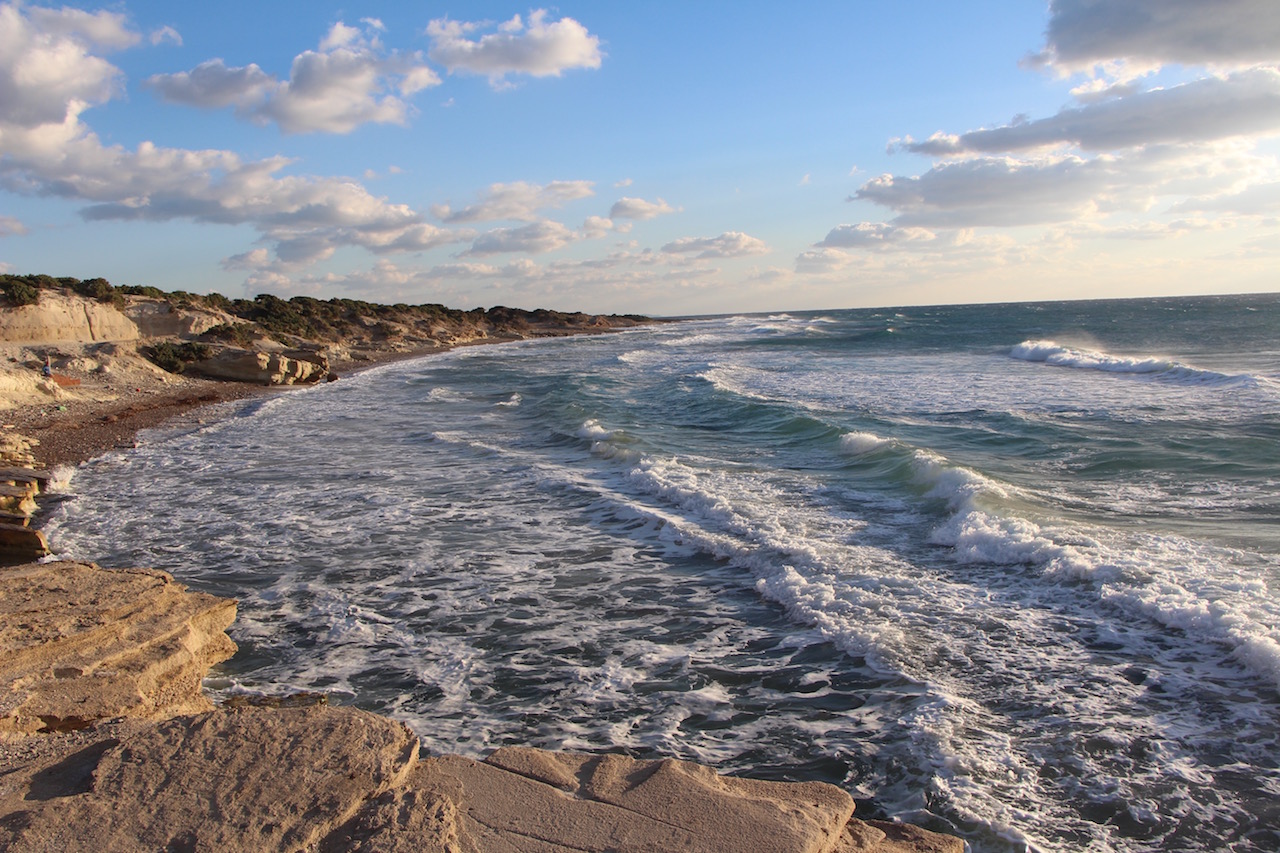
point(19, 292)
point(240, 334)
point(175, 357)
point(142, 290)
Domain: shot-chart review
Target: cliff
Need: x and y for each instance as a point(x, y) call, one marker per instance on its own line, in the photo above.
point(104, 746)
point(90, 328)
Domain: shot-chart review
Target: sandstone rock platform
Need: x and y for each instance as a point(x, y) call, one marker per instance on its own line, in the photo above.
point(108, 745)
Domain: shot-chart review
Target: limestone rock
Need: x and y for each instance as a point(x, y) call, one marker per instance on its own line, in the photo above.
point(65, 317)
point(530, 801)
point(79, 643)
point(242, 780)
point(291, 367)
point(158, 318)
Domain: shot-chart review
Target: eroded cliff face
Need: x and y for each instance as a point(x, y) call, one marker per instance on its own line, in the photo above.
point(107, 744)
point(66, 318)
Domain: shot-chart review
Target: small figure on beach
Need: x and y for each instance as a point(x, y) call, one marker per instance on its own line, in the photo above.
point(47, 370)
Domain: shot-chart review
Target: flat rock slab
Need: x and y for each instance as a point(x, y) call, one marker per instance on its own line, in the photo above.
point(79, 643)
point(523, 800)
point(338, 779)
point(249, 779)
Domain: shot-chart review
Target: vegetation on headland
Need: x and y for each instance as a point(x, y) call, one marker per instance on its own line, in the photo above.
point(306, 321)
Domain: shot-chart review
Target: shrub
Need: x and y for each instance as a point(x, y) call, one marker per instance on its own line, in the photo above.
point(241, 334)
point(142, 290)
point(175, 357)
point(19, 292)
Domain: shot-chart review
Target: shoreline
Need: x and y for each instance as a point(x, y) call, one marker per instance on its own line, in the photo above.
point(73, 432)
point(79, 773)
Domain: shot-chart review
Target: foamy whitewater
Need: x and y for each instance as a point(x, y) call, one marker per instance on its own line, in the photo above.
point(1008, 571)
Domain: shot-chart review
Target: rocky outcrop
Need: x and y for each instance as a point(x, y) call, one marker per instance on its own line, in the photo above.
point(288, 367)
point(80, 644)
point(338, 779)
point(63, 317)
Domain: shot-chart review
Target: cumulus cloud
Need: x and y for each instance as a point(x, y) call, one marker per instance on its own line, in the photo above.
point(1083, 34)
point(520, 201)
point(596, 227)
point(534, 238)
point(539, 48)
point(638, 208)
point(873, 235)
point(349, 81)
point(48, 151)
point(819, 261)
point(106, 30)
point(731, 244)
point(48, 75)
point(212, 84)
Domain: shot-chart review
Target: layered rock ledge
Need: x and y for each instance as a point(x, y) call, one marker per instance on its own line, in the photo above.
point(108, 744)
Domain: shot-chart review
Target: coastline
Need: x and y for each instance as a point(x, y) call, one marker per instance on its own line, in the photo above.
point(75, 431)
point(69, 759)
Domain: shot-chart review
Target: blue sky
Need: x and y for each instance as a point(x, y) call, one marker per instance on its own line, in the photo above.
point(664, 158)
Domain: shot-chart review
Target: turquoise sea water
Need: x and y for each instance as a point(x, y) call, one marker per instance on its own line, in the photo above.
point(1009, 571)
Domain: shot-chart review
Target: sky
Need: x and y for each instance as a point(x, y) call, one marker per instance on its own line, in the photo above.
point(665, 158)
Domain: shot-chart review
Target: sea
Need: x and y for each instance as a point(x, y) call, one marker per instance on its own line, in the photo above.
point(1006, 571)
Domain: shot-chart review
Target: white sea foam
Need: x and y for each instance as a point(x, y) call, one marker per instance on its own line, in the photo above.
point(862, 443)
point(1051, 352)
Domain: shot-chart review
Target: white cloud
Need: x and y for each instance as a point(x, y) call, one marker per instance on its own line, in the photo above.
point(1122, 149)
point(106, 30)
point(731, 244)
point(350, 81)
point(1261, 199)
point(47, 74)
point(520, 201)
point(596, 227)
point(48, 151)
point(11, 226)
point(539, 48)
point(165, 34)
point(822, 260)
point(534, 238)
point(1083, 34)
point(873, 235)
point(212, 84)
point(638, 208)
point(1241, 104)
